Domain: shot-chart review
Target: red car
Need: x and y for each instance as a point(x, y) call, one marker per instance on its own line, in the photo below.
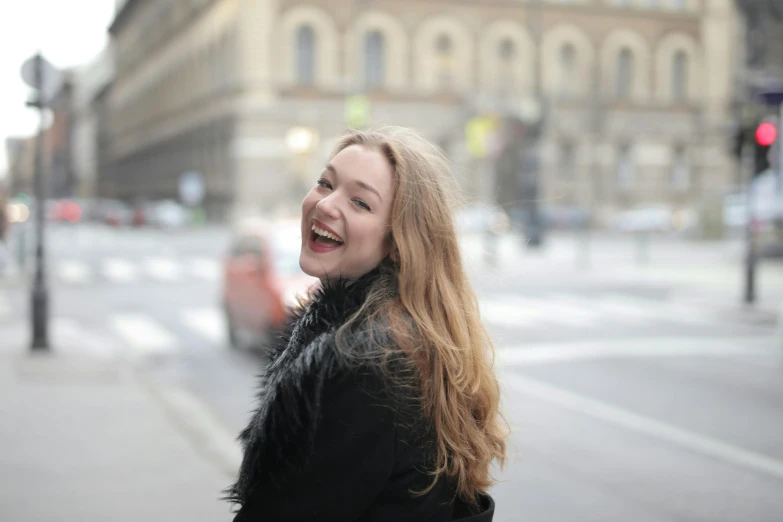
point(262, 280)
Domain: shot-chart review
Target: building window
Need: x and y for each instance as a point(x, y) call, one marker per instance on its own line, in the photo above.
point(681, 169)
point(444, 50)
point(679, 76)
point(624, 74)
point(567, 69)
point(506, 49)
point(374, 58)
point(305, 55)
point(567, 161)
point(625, 170)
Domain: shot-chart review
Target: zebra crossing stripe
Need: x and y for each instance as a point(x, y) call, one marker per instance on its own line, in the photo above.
point(563, 309)
point(142, 333)
point(163, 268)
point(119, 270)
point(72, 271)
point(205, 268)
point(208, 323)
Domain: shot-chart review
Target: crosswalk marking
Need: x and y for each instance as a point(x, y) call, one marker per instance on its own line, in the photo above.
point(119, 270)
point(142, 333)
point(209, 323)
point(73, 271)
point(205, 268)
point(588, 312)
point(163, 268)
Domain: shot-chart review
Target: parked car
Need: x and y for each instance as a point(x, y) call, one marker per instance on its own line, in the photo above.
point(262, 280)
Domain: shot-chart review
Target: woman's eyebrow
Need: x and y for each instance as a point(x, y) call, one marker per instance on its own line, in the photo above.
point(362, 184)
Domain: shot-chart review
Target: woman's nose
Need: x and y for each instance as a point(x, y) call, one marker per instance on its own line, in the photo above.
point(328, 207)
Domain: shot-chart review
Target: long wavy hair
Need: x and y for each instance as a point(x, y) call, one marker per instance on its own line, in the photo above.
point(427, 305)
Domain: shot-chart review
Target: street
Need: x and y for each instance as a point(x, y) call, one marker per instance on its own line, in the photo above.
point(631, 395)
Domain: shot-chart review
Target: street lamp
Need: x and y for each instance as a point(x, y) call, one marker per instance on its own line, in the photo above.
point(44, 78)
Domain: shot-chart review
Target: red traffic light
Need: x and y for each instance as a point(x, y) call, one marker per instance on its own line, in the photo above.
point(766, 134)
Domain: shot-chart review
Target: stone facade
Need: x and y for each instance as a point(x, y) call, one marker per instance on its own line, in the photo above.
point(638, 92)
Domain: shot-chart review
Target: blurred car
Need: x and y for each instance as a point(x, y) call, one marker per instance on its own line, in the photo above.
point(167, 214)
point(114, 213)
point(262, 280)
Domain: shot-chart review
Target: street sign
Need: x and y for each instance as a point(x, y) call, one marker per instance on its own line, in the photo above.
point(50, 77)
point(191, 188)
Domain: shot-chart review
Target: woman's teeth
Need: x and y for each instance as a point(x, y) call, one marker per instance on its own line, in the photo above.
point(324, 233)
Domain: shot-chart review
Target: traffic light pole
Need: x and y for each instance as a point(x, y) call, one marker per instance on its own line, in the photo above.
point(746, 160)
point(40, 297)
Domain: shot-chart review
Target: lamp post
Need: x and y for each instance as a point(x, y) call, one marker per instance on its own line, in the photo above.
point(43, 78)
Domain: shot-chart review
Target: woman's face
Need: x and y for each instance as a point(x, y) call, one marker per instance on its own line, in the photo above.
point(345, 216)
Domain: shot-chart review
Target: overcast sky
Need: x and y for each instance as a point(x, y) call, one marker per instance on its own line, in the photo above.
point(68, 33)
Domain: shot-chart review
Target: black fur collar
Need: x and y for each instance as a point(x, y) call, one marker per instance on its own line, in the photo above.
point(280, 431)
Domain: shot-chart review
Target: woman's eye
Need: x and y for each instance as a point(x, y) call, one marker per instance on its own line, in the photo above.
point(323, 183)
point(362, 204)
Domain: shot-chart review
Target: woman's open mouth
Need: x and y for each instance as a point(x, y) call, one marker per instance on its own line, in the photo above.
point(321, 240)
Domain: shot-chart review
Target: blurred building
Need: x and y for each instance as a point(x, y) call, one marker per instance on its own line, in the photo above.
point(58, 142)
point(251, 94)
point(21, 164)
point(88, 81)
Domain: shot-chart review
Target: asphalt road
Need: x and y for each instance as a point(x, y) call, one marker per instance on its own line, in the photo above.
point(625, 403)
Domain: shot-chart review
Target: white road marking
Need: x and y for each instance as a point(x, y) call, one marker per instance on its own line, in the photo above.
point(205, 268)
point(163, 268)
point(548, 353)
point(142, 333)
point(605, 412)
point(119, 270)
point(209, 323)
point(608, 309)
point(74, 272)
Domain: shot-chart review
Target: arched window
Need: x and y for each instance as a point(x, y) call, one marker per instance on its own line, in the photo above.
point(679, 76)
point(506, 49)
point(567, 69)
point(444, 49)
point(374, 54)
point(625, 67)
point(305, 55)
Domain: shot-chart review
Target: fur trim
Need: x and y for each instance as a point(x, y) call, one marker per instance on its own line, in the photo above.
point(280, 433)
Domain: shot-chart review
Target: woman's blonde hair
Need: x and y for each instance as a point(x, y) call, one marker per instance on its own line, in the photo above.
point(433, 314)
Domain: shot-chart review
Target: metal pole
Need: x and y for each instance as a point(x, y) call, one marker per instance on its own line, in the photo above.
point(40, 293)
point(750, 235)
point(780, 152)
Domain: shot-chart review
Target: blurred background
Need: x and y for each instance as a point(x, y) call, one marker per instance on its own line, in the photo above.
point(622, 227)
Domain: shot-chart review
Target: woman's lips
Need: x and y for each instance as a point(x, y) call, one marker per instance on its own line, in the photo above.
point(320, 249)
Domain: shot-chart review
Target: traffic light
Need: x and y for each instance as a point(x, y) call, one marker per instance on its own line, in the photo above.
point(765, 136)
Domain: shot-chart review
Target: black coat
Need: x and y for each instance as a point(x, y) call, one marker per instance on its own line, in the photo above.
point(331, 441)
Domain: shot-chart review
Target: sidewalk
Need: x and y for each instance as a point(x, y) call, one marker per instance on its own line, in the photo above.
point(85, 437)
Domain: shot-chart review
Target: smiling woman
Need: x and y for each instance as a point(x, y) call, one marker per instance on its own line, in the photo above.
point(380, 403)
